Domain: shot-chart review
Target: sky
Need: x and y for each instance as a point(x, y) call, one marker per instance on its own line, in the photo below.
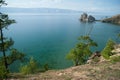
point(81, 5)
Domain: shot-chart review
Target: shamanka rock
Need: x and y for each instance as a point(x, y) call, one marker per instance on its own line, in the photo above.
point(85, 18)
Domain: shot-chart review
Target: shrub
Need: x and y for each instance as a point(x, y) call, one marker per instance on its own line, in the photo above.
point(82, 51)
point(106, 52)
point(29, 68)
point(3, 72)
point(46, 67)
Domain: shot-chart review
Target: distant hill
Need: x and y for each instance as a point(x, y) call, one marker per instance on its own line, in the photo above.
point(36, 10)
point(114, 19)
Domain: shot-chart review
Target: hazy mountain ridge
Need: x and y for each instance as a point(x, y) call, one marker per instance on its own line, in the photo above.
point(37, 10)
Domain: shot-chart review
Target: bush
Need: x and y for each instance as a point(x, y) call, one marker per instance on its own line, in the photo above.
point(25, 69)
point(29, 68)
point(3, 72)
point(115, 59)
point(82, 51)
point(106, 53)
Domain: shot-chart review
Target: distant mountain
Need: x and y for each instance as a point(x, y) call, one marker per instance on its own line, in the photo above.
point(36, 10)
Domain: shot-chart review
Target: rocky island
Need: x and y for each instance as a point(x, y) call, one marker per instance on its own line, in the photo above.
point(114, 20)
point(87, 18)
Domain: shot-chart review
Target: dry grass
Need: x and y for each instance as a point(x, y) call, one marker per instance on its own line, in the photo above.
point(100, 71)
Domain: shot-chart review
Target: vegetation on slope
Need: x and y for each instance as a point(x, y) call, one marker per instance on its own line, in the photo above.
point(82, 51)
point(100, 71)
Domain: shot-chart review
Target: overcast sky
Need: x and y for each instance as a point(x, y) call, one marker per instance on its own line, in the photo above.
point(82, 5)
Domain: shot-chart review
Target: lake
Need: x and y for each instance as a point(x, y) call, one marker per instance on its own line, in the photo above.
point(48, 38)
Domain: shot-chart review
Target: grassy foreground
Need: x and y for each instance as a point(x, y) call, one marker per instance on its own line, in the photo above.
point(99, 71)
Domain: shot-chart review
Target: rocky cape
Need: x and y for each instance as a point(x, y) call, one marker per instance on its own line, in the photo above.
point(114, 19)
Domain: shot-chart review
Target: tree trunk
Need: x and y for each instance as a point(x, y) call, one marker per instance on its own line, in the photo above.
point(76, 62)
point(2, 47)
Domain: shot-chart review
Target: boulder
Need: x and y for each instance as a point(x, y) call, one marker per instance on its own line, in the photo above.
point(96, 54)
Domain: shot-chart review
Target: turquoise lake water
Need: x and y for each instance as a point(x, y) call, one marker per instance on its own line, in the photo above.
point(48, 38)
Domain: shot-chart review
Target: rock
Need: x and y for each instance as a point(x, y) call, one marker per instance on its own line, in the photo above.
point(85, 18)
point(118, 54)
point(93, 56)
point(102, 59)
point(116, 48)
point(116, 51)
point(60, 74)
point(89, 61)
point(91, 18)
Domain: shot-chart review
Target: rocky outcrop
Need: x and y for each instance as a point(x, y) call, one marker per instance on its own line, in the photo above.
point(84, 17)
point(87, 18)
point(114, 20)
point(96, 57)
point(96, 54)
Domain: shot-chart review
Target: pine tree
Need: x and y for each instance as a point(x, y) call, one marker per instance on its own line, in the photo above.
point(7, 43)
point(4, 22)
point(82, 51)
